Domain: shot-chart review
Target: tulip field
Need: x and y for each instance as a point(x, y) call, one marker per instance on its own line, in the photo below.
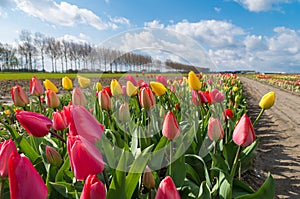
point(141, 136)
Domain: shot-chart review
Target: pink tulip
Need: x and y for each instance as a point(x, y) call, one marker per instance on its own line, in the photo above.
point(83, 123)
point(35, 124)
point(85, 159)
point(171, 128)
point(104, 100)
point(196, 95)
point(162, 79)
point(52, 100)
point(24, 181)
point(142, 83)
point(59, 120)
point(215, 130)
point(216, 96)
point(36, 87)
point(243, 134)
point(130, 78)
point(167, 189)
point(123, 90)
point(7, 148)
point(18, 96)
point(78, 97)
point(146, 98)
point(93, 188)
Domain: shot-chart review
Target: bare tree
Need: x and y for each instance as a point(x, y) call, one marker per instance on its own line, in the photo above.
point(27, 47)
point(40, 42)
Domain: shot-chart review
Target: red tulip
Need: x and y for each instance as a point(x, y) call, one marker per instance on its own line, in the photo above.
point(84, 124)
point(215, 130)
point(78, 97)
point(228, 113)
point(35, 124)
point(52, 100)
point(24, 181)
point(85, 158)
point(104, 100)
point(216, 96)
point(167, 189)
point(243, 134)
point(107, 89)
point(142, 83)
point(59, 120)
point(146, 98)
point(36, 87)
point(7, 148)
point(207, 96)
point(171, 128)
point(93, 188)
point(130, 78)
point(195, 97)
point(19, 97)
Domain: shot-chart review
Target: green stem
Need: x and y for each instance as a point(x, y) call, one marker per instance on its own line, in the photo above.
point(149, 194)
point(105, 179)
point(170, 158)
point(58, 136)
point(2, 183)
point(235, 162)
point(258, 117)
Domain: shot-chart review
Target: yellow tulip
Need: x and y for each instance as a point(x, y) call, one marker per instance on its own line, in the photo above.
point(131, 89)
point(67, 83)
point(98, 86)
point(267, 101)
point(50, 86)
point(235, 89)
point(158, 88)
point(115, 88)
point(194, 81)
point(84, 82)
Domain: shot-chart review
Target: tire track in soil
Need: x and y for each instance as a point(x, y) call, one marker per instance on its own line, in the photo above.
point(278, 150)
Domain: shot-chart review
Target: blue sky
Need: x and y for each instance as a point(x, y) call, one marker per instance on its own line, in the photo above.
point(261, 35)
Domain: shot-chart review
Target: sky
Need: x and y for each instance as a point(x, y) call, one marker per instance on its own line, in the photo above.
point(260, 35)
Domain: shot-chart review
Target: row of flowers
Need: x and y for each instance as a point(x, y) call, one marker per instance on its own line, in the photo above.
point(185, 137)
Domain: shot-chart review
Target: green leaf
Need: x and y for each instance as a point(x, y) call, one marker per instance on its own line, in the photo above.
point(61, 172)
point(225, 186)
point(178, 165)
point(267, 190)
point(192, 174)
point(63, 188)
point(240, 188)
point(204, 192)
point(246, 152)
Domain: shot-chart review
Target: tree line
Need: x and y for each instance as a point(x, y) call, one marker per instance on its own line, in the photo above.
point(35, 51)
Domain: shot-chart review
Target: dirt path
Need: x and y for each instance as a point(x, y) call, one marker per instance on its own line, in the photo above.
point(279, 134)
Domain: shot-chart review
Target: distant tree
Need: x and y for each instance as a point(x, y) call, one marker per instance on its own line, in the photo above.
point(40, 42)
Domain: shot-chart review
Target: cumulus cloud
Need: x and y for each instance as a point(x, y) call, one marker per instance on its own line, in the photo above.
point(120, 20)
point(154, 24)
point(260, 5)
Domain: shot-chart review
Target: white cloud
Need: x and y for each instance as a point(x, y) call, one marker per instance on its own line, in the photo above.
point(62, 13)
point(260, 5)
point(217, 9)
point(154, 24)
point(81, 38)
point(120, 20)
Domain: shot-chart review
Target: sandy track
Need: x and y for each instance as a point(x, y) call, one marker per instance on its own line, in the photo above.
point(279, 134)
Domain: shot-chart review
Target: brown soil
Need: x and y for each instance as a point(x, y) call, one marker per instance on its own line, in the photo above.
point(278, 151)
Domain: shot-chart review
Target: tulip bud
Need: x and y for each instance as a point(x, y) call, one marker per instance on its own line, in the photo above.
point(35, 124)
point(148, 179)
point(78, 97)
point(158, 88)
point(67, 83)
point(98, 86)
point(50, 86)
point(104, 100)
point(53, 156)
point(83, 82)
point(36, 87)
point(267, 101)
point(235, 89)
point(7, 148)
point(93, 188)
point(228, 113)
point(124, 114)
point(131, 89)
point(107, 89)
point(19, 97)
point(146, 98)
point(167, 189)
point(59, 120)
point(131, 79)
point(194, 82)
point(52, 100)
point(115, 88)
point(171, 128)
point(243, 134)
point(215, 130)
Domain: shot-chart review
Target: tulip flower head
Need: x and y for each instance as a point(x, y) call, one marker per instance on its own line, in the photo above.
point(170, 128)
point(67, 83)
point(84, 82)
point(267, 101)
point(35, 124)
point(78, 97)
point(59, 120)
point(98, 86)
point(19, 97)
point(162, 79)
point(131, 89)
point(124, 114)
point(148, 179)
point(243, 134)
point(158, 88)
point(93, 188)
point(7, 148)
point(104, 100)
point(216, 96)
point(115, 88)
point(50, 86)
point(131, 79)
point(107, 89)
point(194, 82)
point(228, 113)
point(36, 87)
point(53, 156)
point(146, 98)
point(167, 189)
point(52, 100)
point(215, 130)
